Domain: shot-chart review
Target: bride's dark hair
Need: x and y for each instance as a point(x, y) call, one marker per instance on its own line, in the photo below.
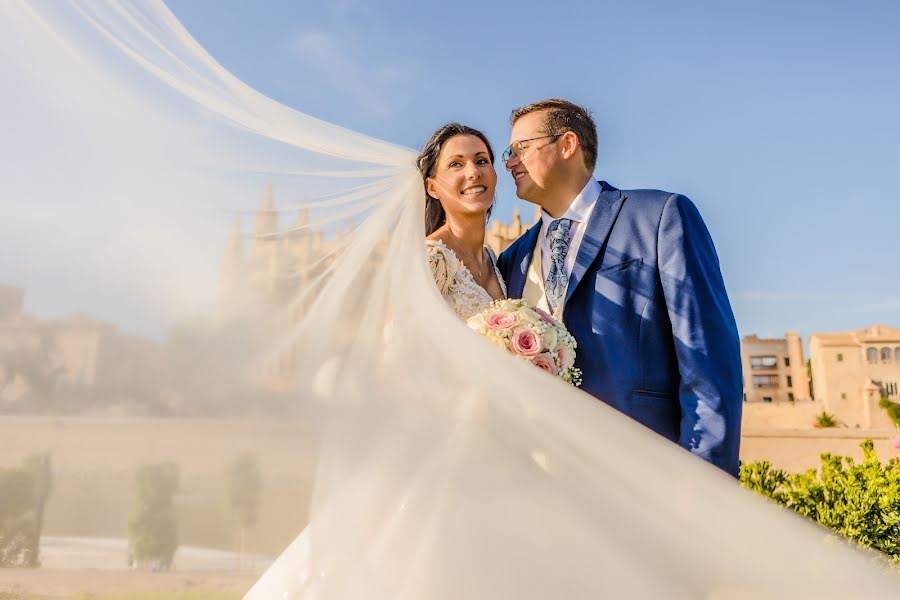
point(427, 162)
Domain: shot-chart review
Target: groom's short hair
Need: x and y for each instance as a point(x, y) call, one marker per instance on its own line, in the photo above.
point(562, 116)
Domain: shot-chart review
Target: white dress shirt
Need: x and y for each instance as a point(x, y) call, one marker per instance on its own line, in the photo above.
point(579, 211)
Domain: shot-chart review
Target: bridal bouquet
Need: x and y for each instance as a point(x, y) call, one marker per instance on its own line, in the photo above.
point(531, 334)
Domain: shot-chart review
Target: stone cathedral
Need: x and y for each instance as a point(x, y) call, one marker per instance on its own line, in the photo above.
point(265, 268)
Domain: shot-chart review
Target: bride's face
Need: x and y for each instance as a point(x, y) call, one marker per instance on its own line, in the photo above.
point(464, 179)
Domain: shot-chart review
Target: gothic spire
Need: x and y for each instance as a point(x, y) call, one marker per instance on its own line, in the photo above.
point(267, 217)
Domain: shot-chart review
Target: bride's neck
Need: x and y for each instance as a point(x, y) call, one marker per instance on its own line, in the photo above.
point(468, 232)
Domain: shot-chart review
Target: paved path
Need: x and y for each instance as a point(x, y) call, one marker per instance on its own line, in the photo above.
point(111, 554)
point(73, 566)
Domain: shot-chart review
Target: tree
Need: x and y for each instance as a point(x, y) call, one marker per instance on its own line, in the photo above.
point(892, 408)
point(16, 517)
point(37, 363)
point(153, 529)
point(41, 470)
point(244, 487)
point(208, 365)
point(23, 493)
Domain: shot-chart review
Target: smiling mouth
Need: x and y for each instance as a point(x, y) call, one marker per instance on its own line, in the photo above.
point(478, 189)
point(517, 175)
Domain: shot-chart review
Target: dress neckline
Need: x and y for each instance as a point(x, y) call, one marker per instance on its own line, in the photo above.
point(491, 255)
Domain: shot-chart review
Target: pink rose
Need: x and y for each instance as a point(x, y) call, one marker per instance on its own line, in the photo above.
point(545, 362)
point(502, 319)
point(525, 342)
point(545, 316)
point(897, 443)
point(564, 355)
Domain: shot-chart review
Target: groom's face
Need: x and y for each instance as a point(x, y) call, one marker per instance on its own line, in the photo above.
point(533, 166)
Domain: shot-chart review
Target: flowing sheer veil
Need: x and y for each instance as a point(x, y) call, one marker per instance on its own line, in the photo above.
point(447, 469)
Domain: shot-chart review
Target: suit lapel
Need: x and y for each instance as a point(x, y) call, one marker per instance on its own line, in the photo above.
point(519, 268)
point(598, 227)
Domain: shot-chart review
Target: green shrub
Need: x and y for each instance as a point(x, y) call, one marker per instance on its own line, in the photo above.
point(859, 501)
point(17, 518)
point(892, 408)
point(825, 421)
point(244, 487)
point(153, 529)
point(23, 493)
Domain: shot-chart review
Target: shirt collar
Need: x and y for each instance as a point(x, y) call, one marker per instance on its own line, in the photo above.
point(581, 206)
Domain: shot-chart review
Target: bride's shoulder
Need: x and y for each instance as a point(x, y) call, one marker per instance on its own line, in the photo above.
point(437, 248)
point(443, 262)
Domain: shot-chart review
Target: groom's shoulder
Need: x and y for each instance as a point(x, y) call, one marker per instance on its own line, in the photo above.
point(649, 200)
point(647, 196)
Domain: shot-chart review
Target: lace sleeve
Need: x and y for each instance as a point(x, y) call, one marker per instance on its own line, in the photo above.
point(441, 264)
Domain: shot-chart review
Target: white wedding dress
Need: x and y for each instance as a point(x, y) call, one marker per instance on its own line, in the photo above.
point(447, 468)
point(456, 283)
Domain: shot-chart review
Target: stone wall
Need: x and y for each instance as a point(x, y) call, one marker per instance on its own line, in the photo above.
point(798, 450)
point(800, 414)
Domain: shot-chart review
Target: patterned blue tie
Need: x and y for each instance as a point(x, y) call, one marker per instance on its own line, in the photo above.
point(556, 278)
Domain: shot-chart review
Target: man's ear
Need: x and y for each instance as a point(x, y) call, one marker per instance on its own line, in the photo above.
point(569, 144)
point(431, 188)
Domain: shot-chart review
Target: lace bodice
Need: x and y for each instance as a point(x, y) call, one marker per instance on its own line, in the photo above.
point(455, 281)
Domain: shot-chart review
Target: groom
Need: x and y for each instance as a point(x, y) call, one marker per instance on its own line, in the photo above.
point(635, 277)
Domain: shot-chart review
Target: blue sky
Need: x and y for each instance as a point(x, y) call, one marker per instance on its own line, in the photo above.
point(780, 120)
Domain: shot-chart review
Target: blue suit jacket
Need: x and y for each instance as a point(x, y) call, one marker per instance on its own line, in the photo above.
point(647, 305)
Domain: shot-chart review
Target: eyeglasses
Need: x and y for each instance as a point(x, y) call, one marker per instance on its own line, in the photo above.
point(518, 150)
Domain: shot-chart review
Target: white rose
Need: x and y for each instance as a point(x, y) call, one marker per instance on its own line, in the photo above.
point(477, 323)
point(550, 338)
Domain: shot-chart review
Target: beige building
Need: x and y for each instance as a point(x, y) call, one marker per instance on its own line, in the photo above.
point(774, 369)
point(267, 275)
point(276, 263)
point(40, 357)
point(12, 301)
point(853, 370)
point(500, 235)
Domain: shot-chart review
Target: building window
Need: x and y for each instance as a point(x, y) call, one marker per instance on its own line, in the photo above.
point(791, 396)
point(763, 362)
point(765, 381)
point(890, 388)
point(843, 396)
point(872, 355)
point(790, 381)
point(767, 398)
point(840, 357)
point(897, 354)
point(787, 361)
point(885, 354)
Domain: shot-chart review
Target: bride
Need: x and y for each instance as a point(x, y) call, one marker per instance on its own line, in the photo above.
point(457, 165)
point(548, 494)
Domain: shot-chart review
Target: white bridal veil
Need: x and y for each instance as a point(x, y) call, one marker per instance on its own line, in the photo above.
point(447, 469)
